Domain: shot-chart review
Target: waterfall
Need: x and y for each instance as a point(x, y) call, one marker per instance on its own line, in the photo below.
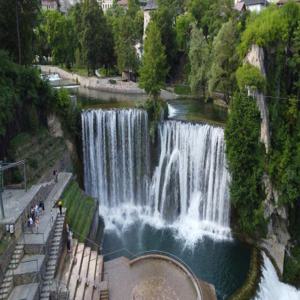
point(116, 156)
point(188, 190)
point(271, 288)
point(190, 184)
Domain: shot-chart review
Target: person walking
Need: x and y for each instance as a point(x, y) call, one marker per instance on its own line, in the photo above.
point(55, 175)
point(37, 224)
point(60, 207)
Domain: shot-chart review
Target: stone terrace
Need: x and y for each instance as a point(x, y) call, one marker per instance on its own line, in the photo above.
point(32, 264)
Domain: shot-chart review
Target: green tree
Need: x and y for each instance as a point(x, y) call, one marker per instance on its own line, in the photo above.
point(199, 56)
point(225, 60)
point(61, 37)
point(124, 46)
point(97, 39)
point(153, 70)
point(18, 18)
point(183, 27)
point(164, 18)
point(210, 15)
point(245, 162)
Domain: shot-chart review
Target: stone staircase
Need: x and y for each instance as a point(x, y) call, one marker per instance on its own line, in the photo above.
point(84, 274)
point(52, 263)
point(7, 284)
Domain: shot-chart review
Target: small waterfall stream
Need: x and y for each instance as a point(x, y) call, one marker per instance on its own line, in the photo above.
point(271, 287)
point(188, 190)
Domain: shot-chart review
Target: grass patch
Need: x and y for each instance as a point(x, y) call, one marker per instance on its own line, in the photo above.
point(248, 289)
point(80, 210)
point(181, 89)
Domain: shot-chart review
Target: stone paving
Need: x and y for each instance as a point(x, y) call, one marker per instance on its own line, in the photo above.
point(150, 279)
point(27, 291)
point(15, 201)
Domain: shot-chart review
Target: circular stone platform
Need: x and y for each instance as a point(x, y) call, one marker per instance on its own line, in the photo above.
point(154, 277)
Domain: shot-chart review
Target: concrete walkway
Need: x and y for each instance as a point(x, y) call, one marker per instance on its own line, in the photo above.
point(40, 235)
point(102, 84)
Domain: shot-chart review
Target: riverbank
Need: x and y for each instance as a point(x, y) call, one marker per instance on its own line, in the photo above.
point(108, 84)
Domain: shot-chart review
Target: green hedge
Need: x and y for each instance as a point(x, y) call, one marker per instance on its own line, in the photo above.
point(80, 210)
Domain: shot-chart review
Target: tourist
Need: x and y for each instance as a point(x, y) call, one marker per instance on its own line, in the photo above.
point(55, 175)
point(69, 244)
point(36, 211)
point(30, 221)
point(32, 214)
point(60, 207)
point(51, 214)
point(37, 223)
point(42, 206)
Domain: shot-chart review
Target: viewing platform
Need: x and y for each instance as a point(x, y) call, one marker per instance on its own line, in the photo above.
point(151, 276)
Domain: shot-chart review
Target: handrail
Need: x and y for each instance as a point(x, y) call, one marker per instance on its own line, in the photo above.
point(86, 239)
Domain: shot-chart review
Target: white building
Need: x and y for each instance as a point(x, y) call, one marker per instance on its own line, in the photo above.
point(105, 4)
point(253, 5)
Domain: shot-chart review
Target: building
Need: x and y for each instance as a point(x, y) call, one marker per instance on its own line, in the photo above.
point(252, 5)
point(150, 6)
point(106, 4)
point(49, 5)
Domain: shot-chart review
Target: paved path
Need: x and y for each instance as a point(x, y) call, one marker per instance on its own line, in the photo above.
point(102, 84)
point(41, 235)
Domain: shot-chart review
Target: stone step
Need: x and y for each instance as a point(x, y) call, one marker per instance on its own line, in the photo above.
point(51, 262)
point(19, 251)
point(53, 257)
point(8, 278)
point(19, 247)
point(4, 296)
point(49, 277)
point(50, 268)
point(6, 284)
point(4, 291)
point(17, 256)
point(50, 273)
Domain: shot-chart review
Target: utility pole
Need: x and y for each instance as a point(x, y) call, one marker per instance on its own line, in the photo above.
point(18, 31)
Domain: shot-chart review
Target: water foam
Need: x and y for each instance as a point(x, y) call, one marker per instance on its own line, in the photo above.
point(271, 288)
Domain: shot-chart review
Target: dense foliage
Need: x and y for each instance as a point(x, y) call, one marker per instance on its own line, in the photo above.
point(154, 69)
point(26, 100)
point(17, 21)
point(244, 154)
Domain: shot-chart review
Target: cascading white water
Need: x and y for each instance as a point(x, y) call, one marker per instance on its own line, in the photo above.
point(190, 184)
point(271, 288)
point(189, 188)
point(116, 156)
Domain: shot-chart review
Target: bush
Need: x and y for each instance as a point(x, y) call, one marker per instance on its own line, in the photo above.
point(250, 76)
